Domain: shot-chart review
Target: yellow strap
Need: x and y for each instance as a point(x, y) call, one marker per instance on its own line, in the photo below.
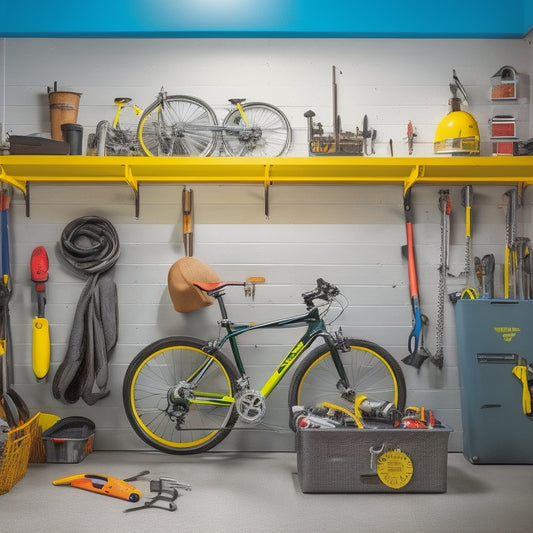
point(521, 373)
point(358, 422)
point(506, 274)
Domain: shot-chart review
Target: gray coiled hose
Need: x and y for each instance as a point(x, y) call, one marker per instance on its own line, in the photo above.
point(90, 245)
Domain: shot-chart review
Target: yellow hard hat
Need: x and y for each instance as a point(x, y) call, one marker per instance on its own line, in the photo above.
point(457, 134)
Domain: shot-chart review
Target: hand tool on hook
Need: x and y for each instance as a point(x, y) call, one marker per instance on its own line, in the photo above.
point(417, 353)
point(14, 406)
point(510, 243)
point(40, 327)
point(445, 207)
point(187, 213)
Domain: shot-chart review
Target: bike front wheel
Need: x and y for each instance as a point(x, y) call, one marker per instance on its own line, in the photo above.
point(265, 132)
point(178, 126)
point(371, 370)
point(178, 397)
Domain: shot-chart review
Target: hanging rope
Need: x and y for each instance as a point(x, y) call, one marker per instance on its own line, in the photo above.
point(90, 245)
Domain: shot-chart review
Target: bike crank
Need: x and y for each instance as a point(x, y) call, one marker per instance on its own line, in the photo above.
point(251, 405)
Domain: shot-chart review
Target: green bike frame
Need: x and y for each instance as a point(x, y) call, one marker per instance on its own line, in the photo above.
point(315, 328)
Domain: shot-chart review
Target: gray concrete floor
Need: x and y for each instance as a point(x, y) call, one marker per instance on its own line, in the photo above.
point(259, 492)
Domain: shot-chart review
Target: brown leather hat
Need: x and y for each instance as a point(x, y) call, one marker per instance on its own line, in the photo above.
point(181, 276)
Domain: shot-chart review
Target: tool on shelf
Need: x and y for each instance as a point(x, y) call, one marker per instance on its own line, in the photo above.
point(339, 142)
point(458, 132)
point(40, 329)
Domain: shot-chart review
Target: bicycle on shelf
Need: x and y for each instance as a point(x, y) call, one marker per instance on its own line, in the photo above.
point(178, 125)
point(183, 395)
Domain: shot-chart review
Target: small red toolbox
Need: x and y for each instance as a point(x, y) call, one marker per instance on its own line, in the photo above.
point(504, 148)
point(503, 126)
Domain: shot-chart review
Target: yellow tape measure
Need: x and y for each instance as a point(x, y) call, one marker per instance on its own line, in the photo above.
point(394, 469)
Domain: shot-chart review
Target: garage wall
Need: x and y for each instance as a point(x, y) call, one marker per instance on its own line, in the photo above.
point(351, 235)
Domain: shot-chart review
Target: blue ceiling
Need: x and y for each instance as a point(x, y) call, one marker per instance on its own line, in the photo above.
point(267, 18)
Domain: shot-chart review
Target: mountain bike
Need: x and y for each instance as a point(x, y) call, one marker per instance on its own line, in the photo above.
point(179, 125)
point(183, 395)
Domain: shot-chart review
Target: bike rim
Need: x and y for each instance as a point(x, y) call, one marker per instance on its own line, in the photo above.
point(180, 127)
point(148, 397)
point(267, 133)
point(371, 372)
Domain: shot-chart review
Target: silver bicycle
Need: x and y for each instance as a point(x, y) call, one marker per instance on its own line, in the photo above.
point(179, 125)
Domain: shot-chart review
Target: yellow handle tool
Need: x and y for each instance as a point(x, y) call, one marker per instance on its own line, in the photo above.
point(40, 347)
point(520, 372)
point(40, 329)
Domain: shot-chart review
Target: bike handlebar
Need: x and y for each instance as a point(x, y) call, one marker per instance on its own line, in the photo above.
point(323, 291)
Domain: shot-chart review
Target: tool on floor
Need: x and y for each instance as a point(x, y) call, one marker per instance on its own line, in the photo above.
point(338, 143)
point(417, 352)
point(187, 213)
point(40, 328)
point(103, 484)
point(14, 407)
point(167, 493)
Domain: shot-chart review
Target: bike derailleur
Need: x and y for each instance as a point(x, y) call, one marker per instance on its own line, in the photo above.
point(177, 405)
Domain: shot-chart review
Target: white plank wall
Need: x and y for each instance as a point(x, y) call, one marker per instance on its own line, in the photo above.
point(351, 235)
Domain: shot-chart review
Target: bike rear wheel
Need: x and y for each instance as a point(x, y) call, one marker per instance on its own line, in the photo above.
point(371, 370)
point(169, 393)
point(178, 126)
point(267, 134)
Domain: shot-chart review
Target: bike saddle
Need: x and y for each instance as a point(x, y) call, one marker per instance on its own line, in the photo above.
point(122, 100)
point(236, 101)
point(213, 286)
point(208, 287)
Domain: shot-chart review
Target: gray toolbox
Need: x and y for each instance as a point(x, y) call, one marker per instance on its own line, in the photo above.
point(495, 347)
point(372, 459)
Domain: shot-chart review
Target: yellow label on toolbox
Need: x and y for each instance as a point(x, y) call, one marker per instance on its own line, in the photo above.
point(395, 469)
point(508, 333)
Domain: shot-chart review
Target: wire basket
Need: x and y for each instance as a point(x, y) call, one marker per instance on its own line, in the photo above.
point(16, 454)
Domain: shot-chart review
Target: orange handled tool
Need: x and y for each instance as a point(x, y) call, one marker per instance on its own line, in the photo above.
point(101, 484)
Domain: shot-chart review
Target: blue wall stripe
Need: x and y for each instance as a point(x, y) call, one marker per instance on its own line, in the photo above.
point(264, 18)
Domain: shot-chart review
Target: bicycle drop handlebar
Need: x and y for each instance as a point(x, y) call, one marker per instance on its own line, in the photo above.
point(323, 291)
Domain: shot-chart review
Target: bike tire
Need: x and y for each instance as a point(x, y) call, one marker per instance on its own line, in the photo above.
point(370, 368)
point(150, 379)
point(267, 134)
point(178, 126)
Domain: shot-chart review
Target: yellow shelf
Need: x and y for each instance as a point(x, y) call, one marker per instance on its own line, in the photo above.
point(20, 170)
